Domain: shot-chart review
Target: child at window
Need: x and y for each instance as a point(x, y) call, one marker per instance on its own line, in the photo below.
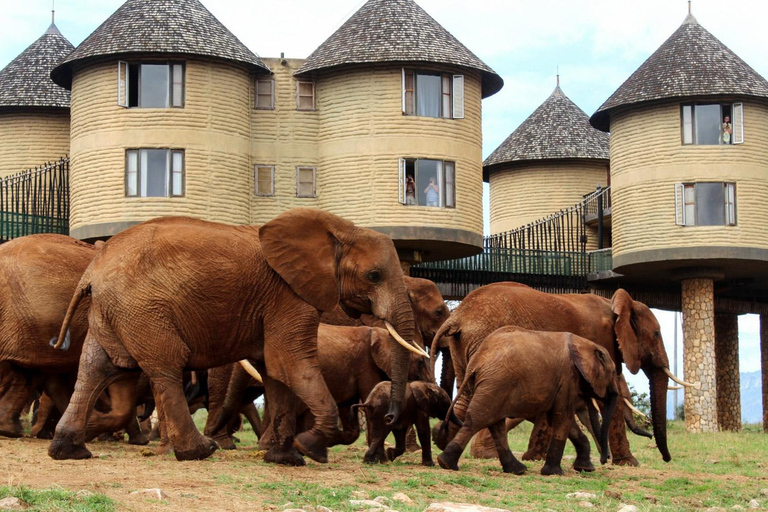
point(727, 130)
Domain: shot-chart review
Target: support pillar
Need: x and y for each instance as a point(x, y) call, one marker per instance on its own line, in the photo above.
point(727, 372)
point(764, 367)
point(698, 301)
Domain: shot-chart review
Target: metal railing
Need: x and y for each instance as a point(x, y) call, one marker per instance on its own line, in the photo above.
point(592, 200)
point(35, 201)
point(600, 260)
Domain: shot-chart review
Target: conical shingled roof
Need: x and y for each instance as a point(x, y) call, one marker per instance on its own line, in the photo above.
point(159, 26)
point(692, 62)
point(558, 129)
point(396, 31)
point(26, 80)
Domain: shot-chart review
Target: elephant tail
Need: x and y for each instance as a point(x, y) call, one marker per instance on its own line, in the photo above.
point(63, 340)
point(444, 329)
point(451, 416)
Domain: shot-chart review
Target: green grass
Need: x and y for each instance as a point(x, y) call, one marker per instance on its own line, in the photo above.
point(59, 500)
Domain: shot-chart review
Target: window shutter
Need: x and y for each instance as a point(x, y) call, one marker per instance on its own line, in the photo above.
point(122, 83)
point(450, 185)
point(730, 204)
point(403, 93)
point(401, 182)
point(680, 204)
point(738, 123)
point(458, 96)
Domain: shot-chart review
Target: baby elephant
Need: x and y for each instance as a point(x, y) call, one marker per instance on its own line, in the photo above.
point(423, 400)
point(517, 373)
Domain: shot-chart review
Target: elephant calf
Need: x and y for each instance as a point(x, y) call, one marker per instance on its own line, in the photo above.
point(517, 373)
point(423, 400)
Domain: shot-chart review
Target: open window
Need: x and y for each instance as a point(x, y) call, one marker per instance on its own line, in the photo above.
point(150, 85)
point(433, 94)
point(712, 124)
point(705, 204)
point(425, 182)
point(154, 172)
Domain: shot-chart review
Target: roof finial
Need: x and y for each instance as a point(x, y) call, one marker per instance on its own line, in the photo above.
point(689, 6)
point(53, 11)
point(558, 76)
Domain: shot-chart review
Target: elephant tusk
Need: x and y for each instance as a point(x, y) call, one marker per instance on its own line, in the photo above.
point(413, 348)
point(594, 403)
point(635, 409)
point(681, 382)
point(253, 372)
point(674, 388)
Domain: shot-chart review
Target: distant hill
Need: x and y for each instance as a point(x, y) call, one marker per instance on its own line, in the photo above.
point(751, 398)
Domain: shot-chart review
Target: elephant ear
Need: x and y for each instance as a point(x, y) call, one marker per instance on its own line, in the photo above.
point(427, 397)
point(303, 247)
point(381, 349)
point(621, 304)
point(593, 362)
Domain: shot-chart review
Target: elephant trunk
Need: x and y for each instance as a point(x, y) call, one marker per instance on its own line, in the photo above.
point(403, 322)
point(448, 375)
point(608, 410)
point(658, 387)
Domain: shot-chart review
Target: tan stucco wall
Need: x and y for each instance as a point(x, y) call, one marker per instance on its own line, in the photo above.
point(213, 128)
point(32, 138)
point(526, 192)
point(648, 158)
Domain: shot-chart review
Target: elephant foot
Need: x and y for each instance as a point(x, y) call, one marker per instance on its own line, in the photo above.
point(312, 445)
point(483, 452)
point(392, 453)
point(534, 455)
point(427, 462)
point(439, 436)
point(447, 464)
point(42, 434)
point(11, 429)
point(629, 460)
point(62, 450)
point(583, 466)
point(290, 457)
point(138, 440)
point(200, 452)
point(163, 449)
point(514, 467)
point(449, 459)
point(551, 470)
point(226, 442)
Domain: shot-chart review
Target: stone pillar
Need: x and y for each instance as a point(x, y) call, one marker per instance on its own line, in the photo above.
point(698, 300)
point(764, 367)
point(727, 371)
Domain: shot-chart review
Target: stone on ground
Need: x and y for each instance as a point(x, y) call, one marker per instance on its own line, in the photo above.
point(628, 508)
point(460, 507)
point(11, 503)
point(581, 495)
point(401, 497)
point(155, 493)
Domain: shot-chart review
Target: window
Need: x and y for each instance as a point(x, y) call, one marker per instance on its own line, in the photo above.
point(265, 95)
point(264, 180)
point(431, 94)
point(427, 182)
point(305, 182)
point(305, 95)
point(154, 172)
point(150, 85)
point(705, 204)
point(713, 124)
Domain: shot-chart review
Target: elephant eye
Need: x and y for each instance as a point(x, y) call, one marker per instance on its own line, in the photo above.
point(374, 276)
point(439, 313)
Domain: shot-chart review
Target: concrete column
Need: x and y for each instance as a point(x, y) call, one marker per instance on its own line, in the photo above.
point(764, 367)
point(699, 354)
point(727, 371)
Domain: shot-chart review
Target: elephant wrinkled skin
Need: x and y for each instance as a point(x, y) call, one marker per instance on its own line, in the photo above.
point(179, 293)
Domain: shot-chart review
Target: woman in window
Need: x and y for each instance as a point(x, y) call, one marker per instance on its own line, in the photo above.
point(432, 192)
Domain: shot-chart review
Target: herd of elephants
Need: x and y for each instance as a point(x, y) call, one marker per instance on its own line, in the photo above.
point(315, 314)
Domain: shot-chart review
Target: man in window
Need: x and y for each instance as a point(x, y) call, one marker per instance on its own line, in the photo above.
point(432, 192)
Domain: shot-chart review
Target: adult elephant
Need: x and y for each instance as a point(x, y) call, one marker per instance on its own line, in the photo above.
point(627, 329)
point(178, 293)
point(353, 360)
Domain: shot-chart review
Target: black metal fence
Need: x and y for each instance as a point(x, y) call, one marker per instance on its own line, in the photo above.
point(593, 200)
point(35, 201)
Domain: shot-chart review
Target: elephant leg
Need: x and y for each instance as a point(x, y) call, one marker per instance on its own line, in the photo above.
point(422, 429)
point(350, 427)
point(377, 432)
point(561, 426)
point(581, 444)
point(483, 444)
point(411, 445)
point(399, 449)
point(16, 393)
point(47, 416)
point(278, 440)
point(617, 439)
point(539, 440)
point(95, 373)
point(583, 415)
point(136, 435)
point(252, 415)
point(448, 374)
point(439, 435)
point(509, 463)
point(165, 443)
point(218, 381)
point(122, 396)
point(449, 459)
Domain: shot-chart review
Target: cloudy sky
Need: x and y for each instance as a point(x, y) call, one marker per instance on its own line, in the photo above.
point(595, 44)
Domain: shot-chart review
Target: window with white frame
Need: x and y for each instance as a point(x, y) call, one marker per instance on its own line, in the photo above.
point(305, 95)
point(154, 172)
point(705, 204)
point(265, 94)
point(150, 85)
point(425, 182)
point(306, 182)
point(264, 180)
point(712, 124)
point(433, 94)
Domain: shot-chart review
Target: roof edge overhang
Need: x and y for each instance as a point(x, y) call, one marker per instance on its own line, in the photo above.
point(6, 109)
point(513, 164)
point(62, 74)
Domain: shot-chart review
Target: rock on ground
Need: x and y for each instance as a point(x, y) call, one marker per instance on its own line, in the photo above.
point(401, 497)
point(754, 504)
point(628, 508)
point(460, 507)
point(11, 503)
point(582, 495)
point(586, 504)
point(157, 494)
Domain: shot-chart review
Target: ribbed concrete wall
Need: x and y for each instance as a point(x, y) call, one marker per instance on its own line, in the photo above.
point(648, 158)
point(213, 128)
point(32, 138)
point(526, 192)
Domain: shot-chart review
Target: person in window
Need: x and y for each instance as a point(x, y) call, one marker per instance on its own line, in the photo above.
point(432, 192)
point(727, 130)
point(410, 190)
